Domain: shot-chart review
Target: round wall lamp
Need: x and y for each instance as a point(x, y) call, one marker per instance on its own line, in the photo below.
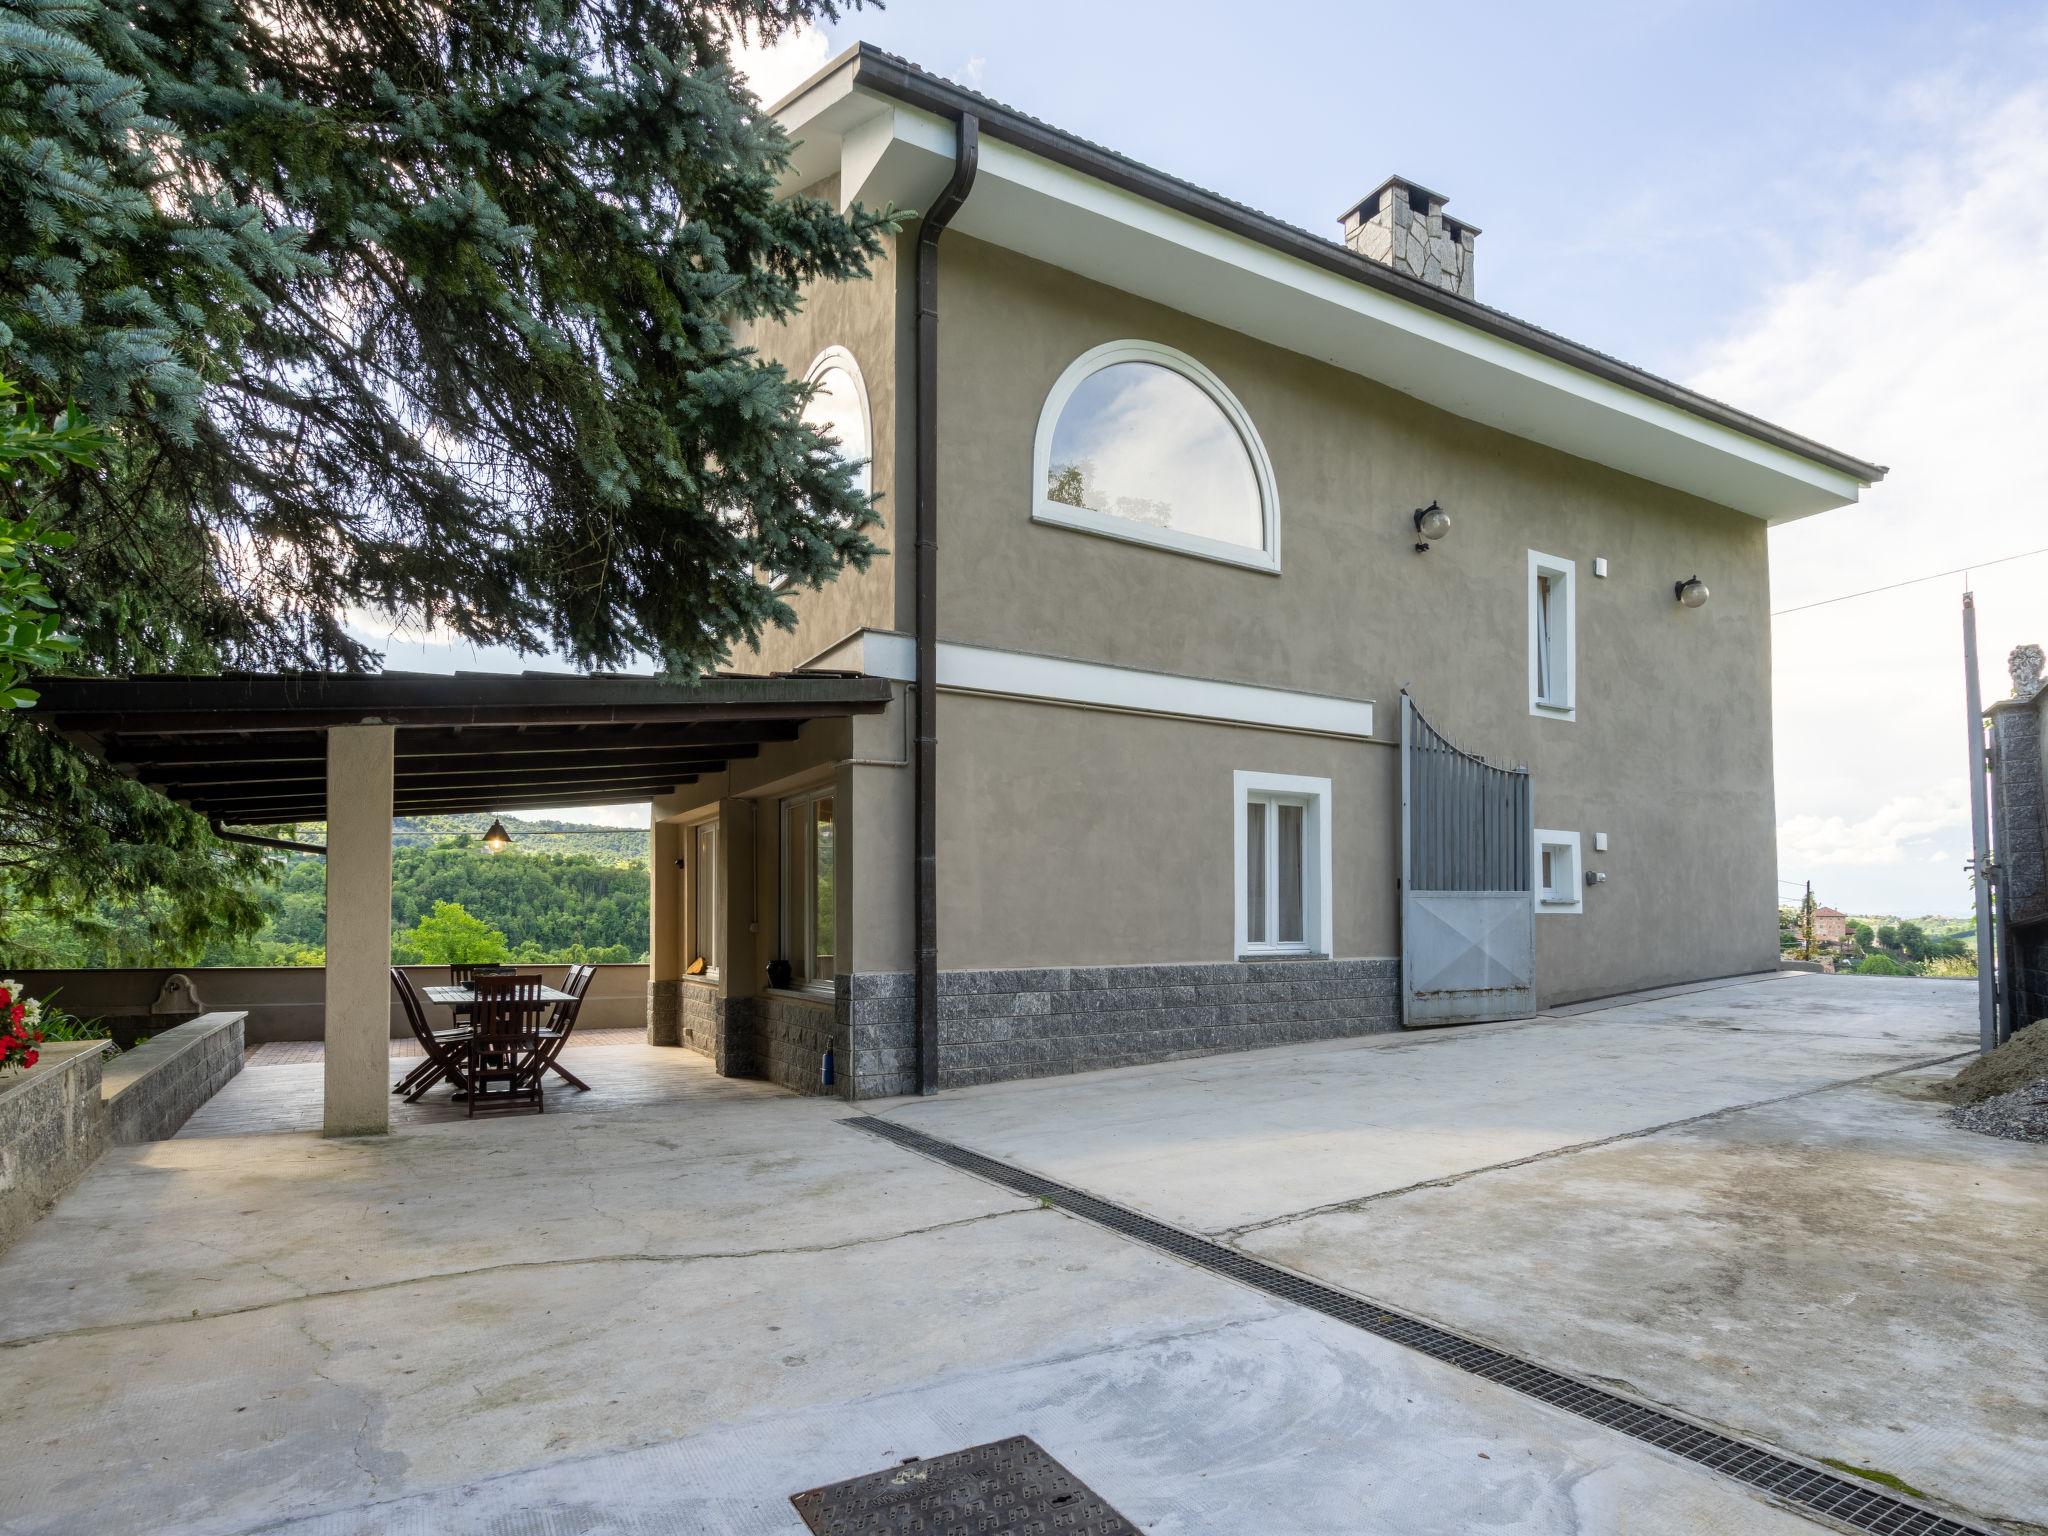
point(497, 839)
point(1692, 592)
point(1431, 523)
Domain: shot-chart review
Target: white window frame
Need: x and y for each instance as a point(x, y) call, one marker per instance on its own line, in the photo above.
point(1571, 897)
point(1562, 703)
point(1087, 520)
point(694, 925)
point(1318, 925)
point(805, 944)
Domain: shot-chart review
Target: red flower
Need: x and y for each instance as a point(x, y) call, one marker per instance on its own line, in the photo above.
point(29, 1058)
point(17, 1013)
point(6, 997)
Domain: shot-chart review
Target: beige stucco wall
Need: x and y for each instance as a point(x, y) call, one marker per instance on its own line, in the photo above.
point(864, 317)
point(1083, 837)
point(1670, 753)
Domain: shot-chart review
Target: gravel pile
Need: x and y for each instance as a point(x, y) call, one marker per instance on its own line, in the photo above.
point(2018, 1063)
point(2021, 1115)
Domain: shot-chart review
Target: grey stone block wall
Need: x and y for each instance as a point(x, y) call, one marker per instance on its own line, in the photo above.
point(52, 1126)
point(2020, 826)
point(790, 1037)
point(875, 1014)
point(153, 1089)
point(665, 1013)
point(998, 1025)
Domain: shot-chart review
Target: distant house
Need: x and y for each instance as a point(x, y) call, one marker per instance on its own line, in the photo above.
point(1830, 926)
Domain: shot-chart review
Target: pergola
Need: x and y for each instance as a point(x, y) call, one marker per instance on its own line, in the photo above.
point(250, 750)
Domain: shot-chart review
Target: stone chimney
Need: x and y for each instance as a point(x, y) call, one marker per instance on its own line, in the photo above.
point(1402, 225)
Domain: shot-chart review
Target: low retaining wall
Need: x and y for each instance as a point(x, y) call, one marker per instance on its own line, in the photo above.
point(52, 1127)
point(152, 1090)
point(290, 1002)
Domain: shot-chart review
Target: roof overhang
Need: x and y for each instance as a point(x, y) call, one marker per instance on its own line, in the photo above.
point(251, 749)
point(886, 130)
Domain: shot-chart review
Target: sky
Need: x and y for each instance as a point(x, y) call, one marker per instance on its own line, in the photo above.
point(1833, 215)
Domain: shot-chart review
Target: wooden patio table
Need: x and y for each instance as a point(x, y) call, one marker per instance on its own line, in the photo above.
point(465, 997)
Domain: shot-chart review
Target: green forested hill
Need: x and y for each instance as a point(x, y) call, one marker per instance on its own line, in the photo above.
point(612, 844)
point(563, 891)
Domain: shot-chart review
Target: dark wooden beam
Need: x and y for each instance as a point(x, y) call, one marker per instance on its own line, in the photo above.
point(152, 752)
point(514, 768)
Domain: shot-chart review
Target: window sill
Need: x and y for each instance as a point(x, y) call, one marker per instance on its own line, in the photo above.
point(707, 979)
point(1057, 514)
point(817, 997)
point(1258, 956)
point(1547, 711)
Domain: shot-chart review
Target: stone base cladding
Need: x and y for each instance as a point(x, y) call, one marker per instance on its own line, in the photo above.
point(52, 1127)
point(788, 1038)
point(664, 1013)
point(997, 1025)
point(700, 1018)
point(876, 1014)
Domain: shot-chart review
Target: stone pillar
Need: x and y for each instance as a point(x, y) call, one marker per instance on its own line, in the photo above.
point(664, 930)
point(358, 1021)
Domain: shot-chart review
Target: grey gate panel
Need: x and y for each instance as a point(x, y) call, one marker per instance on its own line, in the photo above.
point(1468, 908)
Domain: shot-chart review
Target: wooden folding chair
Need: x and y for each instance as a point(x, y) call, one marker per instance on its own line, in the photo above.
point(445, 1048)
point(465, 976)
point(507, 1044)
point(563, 1023)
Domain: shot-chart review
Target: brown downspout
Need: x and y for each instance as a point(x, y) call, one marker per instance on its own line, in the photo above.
point(925, 876)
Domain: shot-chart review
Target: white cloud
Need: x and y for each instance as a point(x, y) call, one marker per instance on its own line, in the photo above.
point(1811, 843)
point(772, 71)
point(1920, 340)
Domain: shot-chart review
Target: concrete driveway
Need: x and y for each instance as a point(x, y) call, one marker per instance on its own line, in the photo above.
point(1740, 1202)
point(669, 1316)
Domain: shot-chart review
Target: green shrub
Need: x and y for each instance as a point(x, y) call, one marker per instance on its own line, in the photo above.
point(1881, 965)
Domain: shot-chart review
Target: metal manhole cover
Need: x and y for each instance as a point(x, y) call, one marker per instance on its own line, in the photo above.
point(1005, 1488)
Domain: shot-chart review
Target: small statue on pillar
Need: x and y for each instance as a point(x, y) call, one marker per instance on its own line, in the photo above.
point(2025, 665)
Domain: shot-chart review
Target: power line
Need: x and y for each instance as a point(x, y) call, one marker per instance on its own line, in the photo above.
point(1961, 570)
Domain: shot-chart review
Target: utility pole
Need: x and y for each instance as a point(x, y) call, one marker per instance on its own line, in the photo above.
point(1980, 837)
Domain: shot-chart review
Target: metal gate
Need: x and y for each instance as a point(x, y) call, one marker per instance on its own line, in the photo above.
point(1468, 908)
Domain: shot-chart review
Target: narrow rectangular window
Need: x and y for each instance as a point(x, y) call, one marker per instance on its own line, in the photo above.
point(824, 913)
point(1283, 857)
point(1553, 630)
point(1255, 871)
point(810, 889)
point(704, 915)
point(1287, 883)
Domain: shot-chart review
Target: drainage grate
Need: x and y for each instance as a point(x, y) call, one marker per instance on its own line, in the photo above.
point(1839, 1498)
point(1005, 1488)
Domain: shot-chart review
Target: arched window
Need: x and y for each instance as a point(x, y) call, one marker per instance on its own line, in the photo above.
point(1140, 442)
point(838, 407)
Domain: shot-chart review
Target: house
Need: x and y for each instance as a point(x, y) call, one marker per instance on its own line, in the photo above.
point(1220, 554)
point(1830, 926)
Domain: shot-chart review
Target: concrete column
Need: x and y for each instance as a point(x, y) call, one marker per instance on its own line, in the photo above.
point(664, 927)
point(358, 1057)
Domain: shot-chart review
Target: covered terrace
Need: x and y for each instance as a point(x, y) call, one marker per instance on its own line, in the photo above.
point(252, 752)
